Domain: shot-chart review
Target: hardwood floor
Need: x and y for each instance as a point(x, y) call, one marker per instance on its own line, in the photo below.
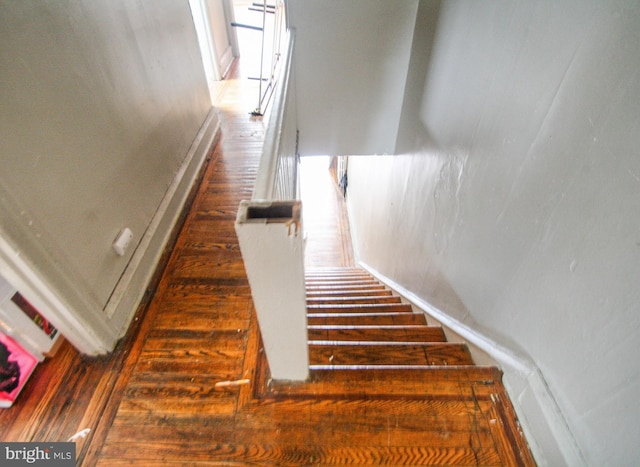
point(189, 384)
point(328, 241)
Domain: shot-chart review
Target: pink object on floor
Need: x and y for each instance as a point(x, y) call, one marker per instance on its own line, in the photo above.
point(26, 362)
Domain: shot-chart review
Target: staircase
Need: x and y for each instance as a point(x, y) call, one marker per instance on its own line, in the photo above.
point(354, 322)
point(371, 351)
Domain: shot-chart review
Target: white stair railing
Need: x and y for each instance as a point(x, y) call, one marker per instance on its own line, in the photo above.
point(269, 229)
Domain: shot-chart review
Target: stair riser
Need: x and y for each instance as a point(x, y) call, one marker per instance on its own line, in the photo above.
point(328, 294)
point(341, 283)
point(381, 334)
point(345, 289)
point(347, 322)
point(365, 319)
point(361, 308)
point(337, 272)
point(385, 354)
point(336, 277)
point(352, 300)
point(433, 382)
point(314, 271)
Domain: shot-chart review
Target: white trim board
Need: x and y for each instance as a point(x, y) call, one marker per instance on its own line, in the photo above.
point(550, 438)
point(131, 287)
point(25, 278)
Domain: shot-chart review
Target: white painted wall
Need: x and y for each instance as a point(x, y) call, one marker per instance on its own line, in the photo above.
point(351, 62)
point(216, 37)
point(101, 102)
point(221, 30)
point(515, 204)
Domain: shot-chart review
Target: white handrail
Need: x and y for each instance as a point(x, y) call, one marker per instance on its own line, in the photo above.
point(269, 229)
point(277, 175)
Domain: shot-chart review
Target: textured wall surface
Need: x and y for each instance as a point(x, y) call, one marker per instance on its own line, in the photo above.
point(514, 202)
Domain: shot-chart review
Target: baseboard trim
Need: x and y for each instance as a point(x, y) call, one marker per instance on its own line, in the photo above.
point(129, 290)
point(550, 437)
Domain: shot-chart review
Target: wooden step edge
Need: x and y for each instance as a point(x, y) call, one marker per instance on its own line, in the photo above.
point(340, 284)
point(329, 270)
point(401, 318)
point(384, 353)
point(345, 343)
point(348, 327)
point(362, 315)
point(351, 293)
point(365, 299)
point(353, 278)
point(406, 318)
point(355, 301)
point(482, 374)
point(361, 310)
point(337, 271)
point(338, 279)
point(369, 343)
point(312, 270)
point(382, 367)
point(337, 287)
point(336, 274)
point(379, 306)
point(411, 382)
point(378, 332)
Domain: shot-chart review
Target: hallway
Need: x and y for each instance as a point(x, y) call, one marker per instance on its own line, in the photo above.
point(189, 385)
point(328, 241)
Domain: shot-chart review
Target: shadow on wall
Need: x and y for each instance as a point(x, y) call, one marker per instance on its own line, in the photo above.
point(411, 134)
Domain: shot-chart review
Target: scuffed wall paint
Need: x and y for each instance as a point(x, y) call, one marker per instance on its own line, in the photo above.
point(515, 203)
point(446, 200)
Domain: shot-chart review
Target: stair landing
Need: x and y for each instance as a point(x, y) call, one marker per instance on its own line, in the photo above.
point(376, 364)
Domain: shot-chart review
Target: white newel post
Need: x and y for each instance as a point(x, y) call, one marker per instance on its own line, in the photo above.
point(271, 241)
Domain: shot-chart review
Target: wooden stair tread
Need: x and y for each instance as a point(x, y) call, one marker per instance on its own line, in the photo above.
point(343, 282)
point(377, 333)
point(385, 353)
point(369, 299)
point(352, 293)
point(312, 271)
point(360, 308)
point(337, 276)
point(335, 271)
point(344, 288)
point(433, 382)
point(366, 318)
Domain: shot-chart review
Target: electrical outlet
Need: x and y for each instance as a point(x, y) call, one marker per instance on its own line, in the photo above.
point(122, 241)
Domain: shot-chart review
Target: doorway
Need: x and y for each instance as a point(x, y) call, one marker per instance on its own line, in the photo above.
point(260, 27)
point(216, 37)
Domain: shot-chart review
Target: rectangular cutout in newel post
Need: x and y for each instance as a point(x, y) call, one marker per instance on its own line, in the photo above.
point(274, 212)
point(270, 211)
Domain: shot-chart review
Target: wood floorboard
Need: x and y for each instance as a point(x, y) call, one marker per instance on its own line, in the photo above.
point(157, 400)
